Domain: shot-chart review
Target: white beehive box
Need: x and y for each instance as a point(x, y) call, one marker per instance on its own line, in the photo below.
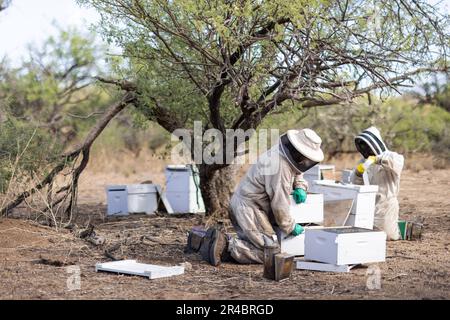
point(293, 245)
point(363, 211)
point(317, 172)
point(117, 200)
point(346, 176)
point(363, 196)
point(183, 189)
point(136, 198)
point(345, 245)
point(185, 202)
point(142, 198)
point(311, 211)
point(179, 178)
point(337, 191)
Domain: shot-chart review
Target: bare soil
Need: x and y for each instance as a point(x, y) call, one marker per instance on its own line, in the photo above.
point(34, 258)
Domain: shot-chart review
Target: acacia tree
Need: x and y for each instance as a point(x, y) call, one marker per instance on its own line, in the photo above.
point(231, 63)
point(54, 84)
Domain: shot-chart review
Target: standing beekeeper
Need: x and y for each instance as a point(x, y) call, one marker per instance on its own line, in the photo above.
point(383, 169)
point(262, 200)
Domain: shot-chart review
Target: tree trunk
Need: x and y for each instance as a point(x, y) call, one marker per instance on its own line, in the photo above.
point(217, 187)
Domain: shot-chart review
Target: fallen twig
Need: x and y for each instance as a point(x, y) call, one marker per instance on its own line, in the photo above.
point(399, 256)
point(110, 256)
point(155, 240)
point(108, 251)
point(50, 262)
point(397, 276)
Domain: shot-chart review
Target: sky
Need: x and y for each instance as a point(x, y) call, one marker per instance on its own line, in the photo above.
point(32, 21)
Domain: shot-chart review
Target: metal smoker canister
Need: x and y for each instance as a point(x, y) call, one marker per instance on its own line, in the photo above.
point(270, 250)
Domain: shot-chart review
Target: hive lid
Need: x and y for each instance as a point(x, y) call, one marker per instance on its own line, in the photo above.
point(343, 230)
point(142, 188)
point(355, 187)
point(177, 167)
point(132, 267)
point(116, 188)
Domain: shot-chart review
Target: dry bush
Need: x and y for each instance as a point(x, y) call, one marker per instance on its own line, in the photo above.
point(419, 162)
point(41, 205)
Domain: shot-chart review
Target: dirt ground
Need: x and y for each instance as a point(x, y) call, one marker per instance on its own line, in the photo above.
point(34, 259)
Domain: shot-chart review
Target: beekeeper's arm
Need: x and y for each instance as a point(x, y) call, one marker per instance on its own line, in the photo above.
point(391, 161)
point(281, 184)
point(300, 187)
point(300, 182)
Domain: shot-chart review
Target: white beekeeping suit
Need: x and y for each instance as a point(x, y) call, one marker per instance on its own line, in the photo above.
point(384, 172)
point(262, 199)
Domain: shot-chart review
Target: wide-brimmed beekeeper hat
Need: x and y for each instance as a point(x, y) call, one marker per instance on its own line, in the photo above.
point(302, 148)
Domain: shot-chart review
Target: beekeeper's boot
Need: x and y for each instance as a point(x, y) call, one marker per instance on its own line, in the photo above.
point(194, 240)
point(214, 248)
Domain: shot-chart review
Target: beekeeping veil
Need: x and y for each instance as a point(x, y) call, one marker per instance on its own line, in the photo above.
point(370, 143)
point(301, 148)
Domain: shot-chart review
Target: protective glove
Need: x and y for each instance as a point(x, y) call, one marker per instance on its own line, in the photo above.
point(363, 165)
point(299, 195)
point(298, 230)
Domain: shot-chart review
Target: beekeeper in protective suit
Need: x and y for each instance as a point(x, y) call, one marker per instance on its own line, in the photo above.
point(262, 200)
point(384, 170)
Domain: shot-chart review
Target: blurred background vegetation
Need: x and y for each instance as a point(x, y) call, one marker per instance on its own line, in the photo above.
point(408, 124)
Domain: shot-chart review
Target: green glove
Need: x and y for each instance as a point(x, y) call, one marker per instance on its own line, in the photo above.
point(298, 230)
point(299, 195)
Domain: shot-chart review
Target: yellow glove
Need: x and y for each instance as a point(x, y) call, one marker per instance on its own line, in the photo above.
point(360, 168)
point(363, 165)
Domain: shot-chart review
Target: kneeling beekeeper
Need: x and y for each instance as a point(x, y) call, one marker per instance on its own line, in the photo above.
point(383, 168)
point(262, 200)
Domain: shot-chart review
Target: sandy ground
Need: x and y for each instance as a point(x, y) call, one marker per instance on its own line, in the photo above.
point(35, 260)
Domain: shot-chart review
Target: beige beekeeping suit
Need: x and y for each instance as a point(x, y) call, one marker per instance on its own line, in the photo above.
point(385, 173)
point(261, 201)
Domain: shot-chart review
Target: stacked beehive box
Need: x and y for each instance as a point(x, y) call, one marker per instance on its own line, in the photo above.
point(134, 198)
point(308, 214)
point(183, 189)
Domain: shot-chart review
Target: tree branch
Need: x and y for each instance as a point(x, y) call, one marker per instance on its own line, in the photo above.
point(122, 84)
point(219, 86)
